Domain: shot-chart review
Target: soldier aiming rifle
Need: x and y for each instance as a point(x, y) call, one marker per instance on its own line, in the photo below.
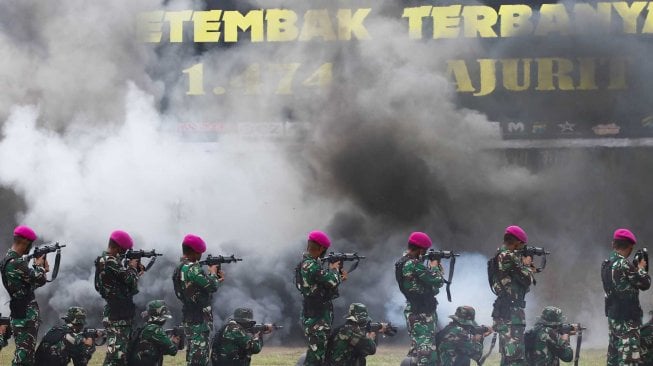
point(548, 342)
point(238, 339)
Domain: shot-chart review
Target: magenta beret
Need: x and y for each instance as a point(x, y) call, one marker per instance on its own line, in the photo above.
point(25, 232)
point(420, 239)
point(122, 239)
point(320, 238)
point(517, 232)
point(195, 243)
point(625, 234)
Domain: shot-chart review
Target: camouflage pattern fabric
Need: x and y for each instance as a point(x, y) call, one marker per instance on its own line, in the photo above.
point(624, 337)
point(511, 342)
point(21, 283)
point(152, 344)
point(350, 345)
point(68, 348)
point(646, 343)
point(549, 347)
point(197, 287)
point(457, 344)
point(118, 335)
point(316, 282)
point(418, 279)
point(235, 346)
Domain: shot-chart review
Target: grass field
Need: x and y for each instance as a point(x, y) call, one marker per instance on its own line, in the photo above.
point(283, 356)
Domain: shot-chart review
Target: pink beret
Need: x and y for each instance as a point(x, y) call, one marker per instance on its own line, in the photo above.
point(122, 239)
point(625, 234)
point(517, 232)
point(420, 239)
point(25, 232)
point(195, 243)
point(320, 238)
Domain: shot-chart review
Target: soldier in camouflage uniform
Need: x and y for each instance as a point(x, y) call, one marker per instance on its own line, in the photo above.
point(234, 344)
point(351, 343)
point(21, 281)
point(117, 285)
point(622, 282)
point(462, 339)
point(546, 345)
point(511, 275)
point(65, 343)
point(318, 288)
point(152, 342)
point(646, 341)
point(195, 289)
point(420, 284)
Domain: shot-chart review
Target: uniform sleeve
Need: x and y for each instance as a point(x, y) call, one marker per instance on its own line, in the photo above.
point(559, 347)
point(128, 276)
point(18, 272)
point(243, 341)
point(637, 277)
point(328, 278)
point(165, 344)
point(431, 276)
point(510, 262)
point(208, 282)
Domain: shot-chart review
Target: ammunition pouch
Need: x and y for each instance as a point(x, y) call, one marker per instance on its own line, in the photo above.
point(193, 313)
point(121, 309)
point(422, 303)
point(316, 306)
point(503, 306)
point(623, 307)
point(18, 307)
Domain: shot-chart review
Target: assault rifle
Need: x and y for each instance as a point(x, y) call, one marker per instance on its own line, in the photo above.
point(5, 320)
point(38, 252)
point(96, 334)
point(140, 254)
point(481, 330)
point(390, 330)
point(178, 332)
point(260, 328)
point(343, 257)
point(568, 328)
point(529, 251)
point(639, 255)
point(438, 255)
point(219, 259)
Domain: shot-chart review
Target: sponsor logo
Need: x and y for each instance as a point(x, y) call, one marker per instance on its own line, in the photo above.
point(516, 127)
point(567, 127)
point(606, 129)
point(539, 127)
point(648, 121)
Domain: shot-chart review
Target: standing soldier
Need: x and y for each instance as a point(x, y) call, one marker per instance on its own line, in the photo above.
point(62, 344)
point(195, 289)
point(318, 288)
point(511, 275)
point(152, 341)
point(21, 281)
point(622, 282)
point(117, 285)
point(234, 344)
point(420, 284)
point(462, 339)
point(545, 346)
point(351, 343)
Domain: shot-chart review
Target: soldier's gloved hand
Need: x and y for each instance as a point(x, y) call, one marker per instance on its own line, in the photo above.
point(88, 341)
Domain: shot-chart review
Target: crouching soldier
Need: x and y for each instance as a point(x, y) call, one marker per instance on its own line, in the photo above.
point(235, 342)
point(350, 343)
point(152, 342)
point(65, 343)
point(646, 341)
point(462, 339)
point(545, 345)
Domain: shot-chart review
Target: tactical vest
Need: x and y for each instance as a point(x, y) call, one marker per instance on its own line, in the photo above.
point(618, 305)
point(315, 304)
point(119, 308)
point(420, 303)
point(17, 305)
point(43, 357)
point(192, 311)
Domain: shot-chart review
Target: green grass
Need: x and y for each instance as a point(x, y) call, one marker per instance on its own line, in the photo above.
point(284, 356)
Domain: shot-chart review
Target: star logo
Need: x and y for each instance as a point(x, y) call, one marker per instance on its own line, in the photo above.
point(567, 127)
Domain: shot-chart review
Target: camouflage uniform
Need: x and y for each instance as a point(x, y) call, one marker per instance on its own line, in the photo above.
point(65, 343)
point(349, 344)
point(624, 312)
point(116, 284)
point(420, 285)
point(510, 283)
point(21, 281)
point(233, 345)
point(153, 342)
point(548, 346)
point(195, 289)
point(456, 343)
point(646, 342)
point(318, 287)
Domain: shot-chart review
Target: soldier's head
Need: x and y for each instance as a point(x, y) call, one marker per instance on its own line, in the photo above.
point(514, 237)
point(192, 247)
point(418, 244)
point(551, 316)
point(318, 243)
point(244, 317)
point(24, 236)
point(358, 313)
point(75, 318)
point(119, 242)
point(623, 241)
point(465, 315)
point(157, 312)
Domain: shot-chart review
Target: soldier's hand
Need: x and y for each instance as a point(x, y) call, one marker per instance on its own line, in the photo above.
point(371, 335)
point(565, 337)
point(39, 261)
point(175, 339)
point(220, 275)
point(133, 263)
point(141, 268)
point(434, 263)
point(268, 329)
point(344, 275)
point(477, 337)
point(642, 263)
point(489, 331)
point(88, 341)
point(335, 265)
point(527, 261)
point(46, 265)
point(3, 329)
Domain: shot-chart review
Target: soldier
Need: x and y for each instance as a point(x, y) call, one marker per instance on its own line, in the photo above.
point(622, 282)
point(420, 284)
point(195, 289)
point(318, 288)
point(65, 343)
point(152, 342)
point(350, 343)
point(545, 346)
point(117, 285)
point(511, 275)
point(234, 344)
point(462, 339)
point(21, 281)
point(646, 341)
